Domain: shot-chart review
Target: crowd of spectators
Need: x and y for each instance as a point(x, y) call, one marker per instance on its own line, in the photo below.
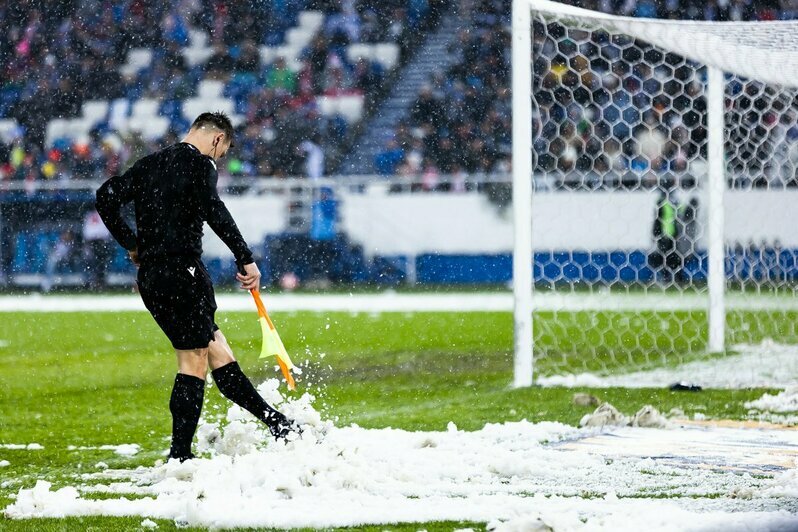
point(54, 58)
point(610, 113)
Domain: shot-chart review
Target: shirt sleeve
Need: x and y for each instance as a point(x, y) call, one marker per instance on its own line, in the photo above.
point(111, 197)
point(219, 218)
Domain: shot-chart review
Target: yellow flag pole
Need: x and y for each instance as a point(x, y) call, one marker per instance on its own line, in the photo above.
point(272, 344)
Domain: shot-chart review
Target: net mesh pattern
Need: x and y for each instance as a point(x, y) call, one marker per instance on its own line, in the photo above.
point(620, 108)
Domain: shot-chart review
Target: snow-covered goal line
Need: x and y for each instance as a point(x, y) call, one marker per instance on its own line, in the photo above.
point(695, 117)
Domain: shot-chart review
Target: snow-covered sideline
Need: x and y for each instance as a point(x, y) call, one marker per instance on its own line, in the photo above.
point(391, 301)
point(766, 365)
point(387, 301)
point(510, 475)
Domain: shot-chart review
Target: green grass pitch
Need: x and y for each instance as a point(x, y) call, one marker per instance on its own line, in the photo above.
point(88, 379)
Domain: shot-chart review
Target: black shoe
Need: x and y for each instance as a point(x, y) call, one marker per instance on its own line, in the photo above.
point(182, 458)
point(280, 426)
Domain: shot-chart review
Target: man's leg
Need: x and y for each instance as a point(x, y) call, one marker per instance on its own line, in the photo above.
point(186, 401)
point(237, 387)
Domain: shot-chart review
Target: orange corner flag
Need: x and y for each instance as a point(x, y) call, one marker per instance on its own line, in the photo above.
point(272, 345)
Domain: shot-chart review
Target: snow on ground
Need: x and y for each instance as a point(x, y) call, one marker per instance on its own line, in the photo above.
point(767, 365)
point(786, 401)
point(21, 446)
point(124, 449)
point(510, 474)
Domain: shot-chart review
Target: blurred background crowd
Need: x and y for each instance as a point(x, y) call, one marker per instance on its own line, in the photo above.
point(415, 91)
point(58, 56)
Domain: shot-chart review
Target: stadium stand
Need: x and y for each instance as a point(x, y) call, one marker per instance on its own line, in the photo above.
point(88, 75)
point(87, 87)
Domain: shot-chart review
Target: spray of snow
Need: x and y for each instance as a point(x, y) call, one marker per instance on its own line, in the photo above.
point(786, 401)
point(767, 365)
point(348, 476)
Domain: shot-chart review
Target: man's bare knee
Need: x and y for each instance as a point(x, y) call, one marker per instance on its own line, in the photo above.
point(193, 361)
point(219, 352)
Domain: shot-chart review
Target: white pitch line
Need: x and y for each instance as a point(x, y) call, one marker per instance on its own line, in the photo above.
point(403, 302)
point(385, 302)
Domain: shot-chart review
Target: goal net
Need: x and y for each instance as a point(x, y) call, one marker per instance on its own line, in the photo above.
point(664, 158)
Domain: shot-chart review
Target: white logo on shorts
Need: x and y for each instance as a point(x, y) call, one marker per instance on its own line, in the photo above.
point(191, 270)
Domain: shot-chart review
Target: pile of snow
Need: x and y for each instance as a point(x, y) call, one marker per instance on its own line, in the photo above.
point(636, 515)
point(767, 365)
point(351, 476)
point(786, 401)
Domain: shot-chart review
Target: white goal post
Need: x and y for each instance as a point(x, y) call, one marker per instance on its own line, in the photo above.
point(765, 52)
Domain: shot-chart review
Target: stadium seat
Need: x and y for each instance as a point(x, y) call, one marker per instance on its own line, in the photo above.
point(210, 88)
point(299, 36)
point(78, 127)
point(267, 54)
point(193, 107)
point(198, 39)
point(358, 50)
point(197, 56)
point(95, 111)
point(291, 54)
point(146, 107)
point(137, 59)
point(150, 127)
point(56, 129)
point(386, 54)
point(350, 107)
point(311, 20)
point(7, 128)
point(328, 105)
point(118, 112)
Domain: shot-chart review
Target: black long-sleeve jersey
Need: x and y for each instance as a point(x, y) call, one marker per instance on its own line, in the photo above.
point(173, 191)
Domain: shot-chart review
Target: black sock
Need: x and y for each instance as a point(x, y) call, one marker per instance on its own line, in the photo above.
point(186, 406)
point(237, 387)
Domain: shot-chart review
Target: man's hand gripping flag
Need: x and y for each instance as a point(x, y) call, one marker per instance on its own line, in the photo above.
point(272, 345)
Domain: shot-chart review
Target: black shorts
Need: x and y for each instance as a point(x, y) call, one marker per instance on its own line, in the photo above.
point(178, 292)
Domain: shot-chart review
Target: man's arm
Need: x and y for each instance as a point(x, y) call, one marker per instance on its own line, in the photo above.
point(219, 218)
point(111, 196)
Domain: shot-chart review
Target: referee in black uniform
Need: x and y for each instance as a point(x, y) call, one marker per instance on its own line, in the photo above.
point(174, 191)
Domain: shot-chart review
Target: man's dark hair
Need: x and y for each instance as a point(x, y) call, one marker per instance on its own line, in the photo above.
point(217, 120)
